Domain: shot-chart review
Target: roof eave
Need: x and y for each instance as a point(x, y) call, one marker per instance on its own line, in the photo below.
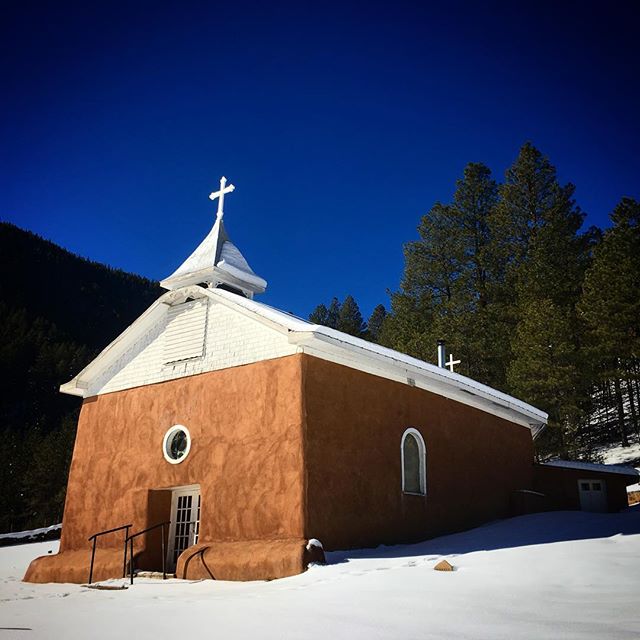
point(80, 384)
point(212, 274)
point(630, 473)
point(498, 404)
point(75, 387)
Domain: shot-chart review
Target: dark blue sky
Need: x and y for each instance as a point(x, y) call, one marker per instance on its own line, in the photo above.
point(339, 123)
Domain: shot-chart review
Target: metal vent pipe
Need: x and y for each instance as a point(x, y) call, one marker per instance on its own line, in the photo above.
point(441, 354)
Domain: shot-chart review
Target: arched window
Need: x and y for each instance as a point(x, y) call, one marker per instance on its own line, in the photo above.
point(413, 454)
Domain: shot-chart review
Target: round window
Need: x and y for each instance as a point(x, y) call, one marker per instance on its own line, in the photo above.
point(176, 444)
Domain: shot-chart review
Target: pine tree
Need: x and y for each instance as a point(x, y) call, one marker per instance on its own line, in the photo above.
point(539, 259)
point(350, 319)
point(409, 328)
point(480, 338)
point(374, 326)
point(319, 315)
point(333, 314)
point(473, 201)
point(610, 309)
point(445, 291)
point(534, 231)
point(12, 471)
point(544, 370)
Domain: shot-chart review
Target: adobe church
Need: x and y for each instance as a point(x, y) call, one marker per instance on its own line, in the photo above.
point(252, 432)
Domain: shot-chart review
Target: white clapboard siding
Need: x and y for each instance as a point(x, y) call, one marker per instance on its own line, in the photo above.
point(185, 332)
point(231, 339)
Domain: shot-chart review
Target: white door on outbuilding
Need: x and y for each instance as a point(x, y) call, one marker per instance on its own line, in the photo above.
point(593, 495)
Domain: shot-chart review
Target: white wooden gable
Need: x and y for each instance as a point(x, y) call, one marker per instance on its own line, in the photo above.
point(184, 338)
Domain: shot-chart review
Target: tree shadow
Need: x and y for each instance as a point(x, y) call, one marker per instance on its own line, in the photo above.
point(522, 531)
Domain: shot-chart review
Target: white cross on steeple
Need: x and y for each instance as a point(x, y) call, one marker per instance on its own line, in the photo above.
point(220, 194)
point(451, 362)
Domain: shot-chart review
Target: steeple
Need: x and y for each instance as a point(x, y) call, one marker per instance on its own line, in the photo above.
point(217, 261)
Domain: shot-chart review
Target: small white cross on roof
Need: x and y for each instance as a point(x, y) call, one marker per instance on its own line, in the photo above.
point(451, 362)
point(220, 194)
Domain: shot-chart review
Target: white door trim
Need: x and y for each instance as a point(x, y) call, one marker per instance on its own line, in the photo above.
point(593, 494)
point(185, 509)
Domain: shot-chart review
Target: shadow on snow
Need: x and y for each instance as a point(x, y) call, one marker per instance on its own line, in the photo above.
point(522, 531)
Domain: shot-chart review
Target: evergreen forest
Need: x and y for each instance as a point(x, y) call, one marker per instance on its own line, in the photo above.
point(531, 302)
point(57, 312)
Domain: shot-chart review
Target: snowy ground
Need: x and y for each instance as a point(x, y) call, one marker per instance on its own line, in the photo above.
point(33, 533)
point(625, 456)
point(554, 575)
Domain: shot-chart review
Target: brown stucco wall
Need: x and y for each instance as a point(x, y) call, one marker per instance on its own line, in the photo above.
point(561, 486)
point(246, 455)
point(283, 450)
point(354, 426)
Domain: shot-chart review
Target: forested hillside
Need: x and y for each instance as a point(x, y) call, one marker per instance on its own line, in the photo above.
point(529, 300)
point(57, 311)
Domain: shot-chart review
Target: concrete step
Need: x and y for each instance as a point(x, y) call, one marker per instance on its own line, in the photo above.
point(106, 586)
point(156, 575)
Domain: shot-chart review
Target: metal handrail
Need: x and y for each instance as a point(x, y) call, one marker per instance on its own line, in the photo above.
point(129, 540)
point(95, 537)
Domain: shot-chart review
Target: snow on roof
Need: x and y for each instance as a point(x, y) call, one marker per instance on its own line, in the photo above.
point(216, 259)
point(332, 345)
point(591, 466)
point(232, 261)
point(391, 358)
point(204, 254)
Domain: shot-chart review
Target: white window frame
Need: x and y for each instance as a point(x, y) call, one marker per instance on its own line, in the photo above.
point(170, 432)
point(422, 452)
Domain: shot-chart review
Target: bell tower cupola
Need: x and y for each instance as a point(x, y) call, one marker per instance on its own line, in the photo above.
point(217, 262)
